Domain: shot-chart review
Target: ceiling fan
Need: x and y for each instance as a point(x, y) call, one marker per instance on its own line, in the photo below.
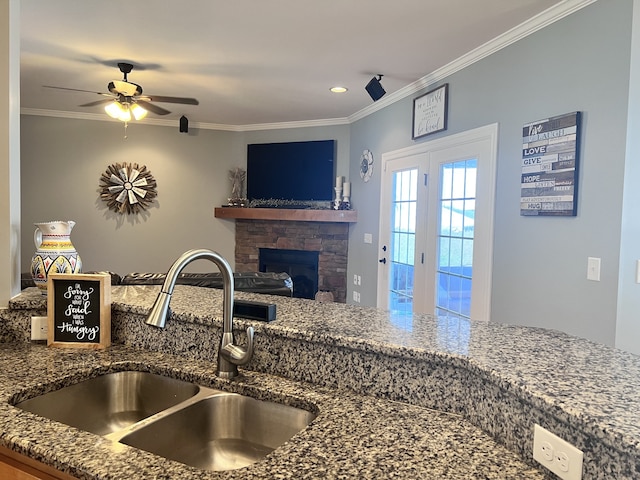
point(125, 98)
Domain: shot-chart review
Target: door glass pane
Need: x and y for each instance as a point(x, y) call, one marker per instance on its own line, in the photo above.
point(402, 254)
point(445, 217)
point(456, 233)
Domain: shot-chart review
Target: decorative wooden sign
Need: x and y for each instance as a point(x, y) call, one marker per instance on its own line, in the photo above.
point(430, 112)
point(550, 160)
point(79, 310)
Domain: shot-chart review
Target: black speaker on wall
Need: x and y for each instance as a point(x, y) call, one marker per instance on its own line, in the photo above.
point(374, 88)
point(184, 124)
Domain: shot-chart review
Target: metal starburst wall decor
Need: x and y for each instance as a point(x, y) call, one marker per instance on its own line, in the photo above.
point(127, 187)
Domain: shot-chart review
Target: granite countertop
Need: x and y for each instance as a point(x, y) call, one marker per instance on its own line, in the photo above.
point(588, 387)
point(568, 375)
point(353, 436)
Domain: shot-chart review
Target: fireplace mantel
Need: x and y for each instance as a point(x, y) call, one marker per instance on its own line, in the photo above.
point(285, 214)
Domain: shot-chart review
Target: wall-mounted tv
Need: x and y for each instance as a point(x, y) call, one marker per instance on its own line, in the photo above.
point(298, 171)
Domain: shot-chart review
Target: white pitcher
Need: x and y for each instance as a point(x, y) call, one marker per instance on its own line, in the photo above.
point(54, 252)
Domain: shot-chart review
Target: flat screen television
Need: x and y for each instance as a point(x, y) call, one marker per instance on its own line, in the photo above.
point(298, 171)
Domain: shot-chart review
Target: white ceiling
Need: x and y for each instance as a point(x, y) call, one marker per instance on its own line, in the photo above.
point(250, 61)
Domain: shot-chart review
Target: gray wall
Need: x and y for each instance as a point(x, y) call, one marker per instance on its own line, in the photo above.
point(628, 327)
point(539, 269)
point(62, 160)
point(61, 170)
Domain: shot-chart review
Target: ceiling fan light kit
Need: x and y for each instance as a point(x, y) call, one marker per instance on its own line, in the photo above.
point(116, 110)
point(125, 100)
point(124, 111)
point(138, 112)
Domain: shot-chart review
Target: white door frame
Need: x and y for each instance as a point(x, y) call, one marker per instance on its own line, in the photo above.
point(481, 142)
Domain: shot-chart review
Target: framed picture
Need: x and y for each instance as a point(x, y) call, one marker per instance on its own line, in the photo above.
point(550, 161)
point(430, 112)
point(79, 310)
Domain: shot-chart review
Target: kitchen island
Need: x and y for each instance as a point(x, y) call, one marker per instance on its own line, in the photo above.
point(397, 396)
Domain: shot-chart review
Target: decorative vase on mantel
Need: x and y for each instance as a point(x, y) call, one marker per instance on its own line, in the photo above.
point(54, 252)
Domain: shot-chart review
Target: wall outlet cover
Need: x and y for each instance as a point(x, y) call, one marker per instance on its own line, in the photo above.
point(556, 454)
point(39, 328)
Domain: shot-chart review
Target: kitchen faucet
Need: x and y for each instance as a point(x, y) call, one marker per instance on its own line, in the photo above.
point(229, 354)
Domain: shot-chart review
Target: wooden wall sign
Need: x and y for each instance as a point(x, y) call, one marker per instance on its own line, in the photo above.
point(550, 161)
point(430, 112)
point(79, 310)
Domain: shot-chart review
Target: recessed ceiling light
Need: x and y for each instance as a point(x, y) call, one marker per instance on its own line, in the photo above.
point(339, 89)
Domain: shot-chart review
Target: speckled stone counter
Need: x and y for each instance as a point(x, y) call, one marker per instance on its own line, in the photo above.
point(353, 436)
point(500, 378)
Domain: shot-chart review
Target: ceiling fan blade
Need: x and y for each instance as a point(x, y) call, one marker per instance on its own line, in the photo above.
point(77, 90)
point(183, 100)
point(97, 102)
point(152, 108)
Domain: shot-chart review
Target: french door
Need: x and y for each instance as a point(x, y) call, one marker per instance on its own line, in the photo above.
point(436, 226)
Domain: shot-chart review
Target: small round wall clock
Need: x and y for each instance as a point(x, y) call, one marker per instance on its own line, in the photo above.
point(366, 165)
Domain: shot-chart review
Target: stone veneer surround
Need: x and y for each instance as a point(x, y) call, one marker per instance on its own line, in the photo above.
point(330, 239)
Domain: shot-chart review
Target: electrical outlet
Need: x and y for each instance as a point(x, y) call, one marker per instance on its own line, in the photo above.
point(356, 297)
point(359, 280)
point(556, 454)
point(547, 451)
point(39, 328)
point(368, 238)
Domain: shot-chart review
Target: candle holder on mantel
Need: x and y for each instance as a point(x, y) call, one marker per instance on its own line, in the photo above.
point(338, 200)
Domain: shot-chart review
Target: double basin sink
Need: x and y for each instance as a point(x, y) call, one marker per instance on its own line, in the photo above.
point(182, 421)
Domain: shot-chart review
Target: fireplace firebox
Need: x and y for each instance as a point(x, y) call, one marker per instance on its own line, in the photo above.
point(301, 265)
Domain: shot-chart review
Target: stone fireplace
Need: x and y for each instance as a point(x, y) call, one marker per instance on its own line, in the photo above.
point(328, 239)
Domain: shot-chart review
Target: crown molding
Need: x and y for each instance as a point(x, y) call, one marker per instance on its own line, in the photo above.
point(174, 123)
point(105, 118)
point(534, 24)
point(326, 122)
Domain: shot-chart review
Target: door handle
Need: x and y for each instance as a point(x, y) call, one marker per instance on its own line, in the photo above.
point(383, 260)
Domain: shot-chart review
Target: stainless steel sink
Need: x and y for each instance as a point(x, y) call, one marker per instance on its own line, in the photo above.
point(198, 426)
point(223, 432)
point(111, 402)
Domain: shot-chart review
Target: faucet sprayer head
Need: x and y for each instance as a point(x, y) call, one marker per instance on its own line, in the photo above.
point(160, 310)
